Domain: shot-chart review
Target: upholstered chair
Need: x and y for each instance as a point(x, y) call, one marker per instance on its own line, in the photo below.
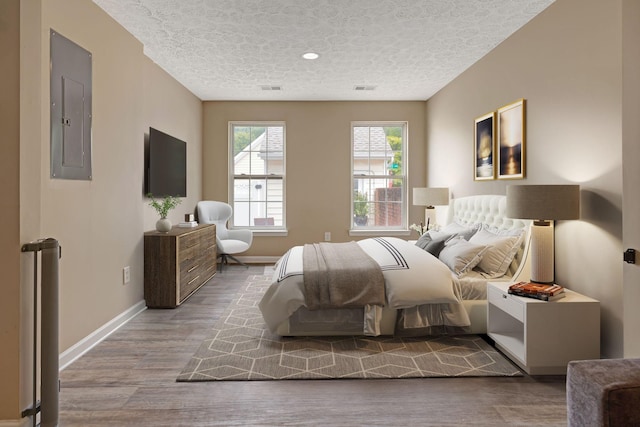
point(230, 242)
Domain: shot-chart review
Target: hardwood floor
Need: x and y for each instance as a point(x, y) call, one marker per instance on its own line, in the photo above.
point(129, 380)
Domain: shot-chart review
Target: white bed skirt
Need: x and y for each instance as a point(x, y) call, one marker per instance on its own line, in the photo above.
point(477, 310)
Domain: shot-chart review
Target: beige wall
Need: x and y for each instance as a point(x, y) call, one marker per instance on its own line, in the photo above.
point(567, 64)
point(170, 108)
point(318, 145)
point(631, 171)
point(99, 223)
point(10, 206)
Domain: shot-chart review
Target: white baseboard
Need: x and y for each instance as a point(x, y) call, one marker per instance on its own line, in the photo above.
point(16, 423)
point(68, 356)
point(258, 259)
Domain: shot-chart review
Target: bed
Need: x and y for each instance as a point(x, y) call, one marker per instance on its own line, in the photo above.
point(433, 286)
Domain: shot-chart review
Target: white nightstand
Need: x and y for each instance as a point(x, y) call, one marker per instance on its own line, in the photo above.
point(543, 337)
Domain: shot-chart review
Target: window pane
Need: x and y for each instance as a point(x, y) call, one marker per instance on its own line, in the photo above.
point(243, 136)
point(241, 189)
point(274, 211)
point(394, 138)
point(241, 213)
point(387, 214)
point(273, 151)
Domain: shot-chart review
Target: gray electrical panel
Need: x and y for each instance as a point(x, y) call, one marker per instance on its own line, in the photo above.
point(70, 109)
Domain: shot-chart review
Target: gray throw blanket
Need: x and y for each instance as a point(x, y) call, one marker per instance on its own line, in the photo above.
point(341, 275)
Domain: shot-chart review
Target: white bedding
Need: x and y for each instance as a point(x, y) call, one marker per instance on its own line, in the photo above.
point(290, 317)
point(473, 285)
point(413, 277)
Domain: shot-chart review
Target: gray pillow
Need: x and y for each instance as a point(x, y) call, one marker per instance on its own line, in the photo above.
point(433, 241)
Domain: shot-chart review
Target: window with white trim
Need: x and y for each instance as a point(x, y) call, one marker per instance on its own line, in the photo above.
point(379, 176)
point(257, 174)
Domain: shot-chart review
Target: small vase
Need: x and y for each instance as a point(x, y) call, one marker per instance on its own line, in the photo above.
point(163, 225)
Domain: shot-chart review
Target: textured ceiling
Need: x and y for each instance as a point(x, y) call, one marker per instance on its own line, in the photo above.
point(406, 49)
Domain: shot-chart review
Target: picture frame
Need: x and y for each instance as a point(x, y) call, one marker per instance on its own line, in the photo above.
point(484, 147)
point(511, 144)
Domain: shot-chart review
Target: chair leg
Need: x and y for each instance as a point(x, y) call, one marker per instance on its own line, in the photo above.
point(236, 260)
point(224, 259)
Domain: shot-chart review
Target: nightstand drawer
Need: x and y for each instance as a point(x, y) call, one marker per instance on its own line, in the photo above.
point(511, 305)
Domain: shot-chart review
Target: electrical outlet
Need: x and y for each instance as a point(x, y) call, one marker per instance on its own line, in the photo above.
point(327, 236)
point(126, 275)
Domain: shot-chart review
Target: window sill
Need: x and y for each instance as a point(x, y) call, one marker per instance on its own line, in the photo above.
point(373, 232)
point(271, 233)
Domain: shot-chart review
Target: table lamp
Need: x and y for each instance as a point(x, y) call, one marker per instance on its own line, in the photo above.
point(543, 204)
point(430, 197)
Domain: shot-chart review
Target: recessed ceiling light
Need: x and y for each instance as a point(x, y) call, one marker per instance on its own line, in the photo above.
point(310, 55)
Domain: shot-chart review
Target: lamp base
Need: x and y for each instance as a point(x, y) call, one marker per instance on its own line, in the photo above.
point(429, 217)
point(542, 253)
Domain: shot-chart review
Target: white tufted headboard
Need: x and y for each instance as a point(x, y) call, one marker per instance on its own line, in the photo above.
point(491, 210)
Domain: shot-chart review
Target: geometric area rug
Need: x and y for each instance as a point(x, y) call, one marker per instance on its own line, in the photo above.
point(240, 347)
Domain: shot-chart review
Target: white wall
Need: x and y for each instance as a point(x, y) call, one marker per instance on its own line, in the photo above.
point(567, 64)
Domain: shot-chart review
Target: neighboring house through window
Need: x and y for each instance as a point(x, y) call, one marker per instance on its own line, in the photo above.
point(379, 175)
point(257, 173)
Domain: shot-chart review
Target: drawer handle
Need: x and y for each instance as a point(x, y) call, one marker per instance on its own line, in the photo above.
point(504, 296)
point(193, 280)
point(193, 268)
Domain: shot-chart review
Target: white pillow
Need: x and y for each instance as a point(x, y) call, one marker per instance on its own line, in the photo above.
point(460, 255)
point(502, 246)
point(459, 230)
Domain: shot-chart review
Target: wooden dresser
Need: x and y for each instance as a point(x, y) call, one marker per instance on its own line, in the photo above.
point(177, 263)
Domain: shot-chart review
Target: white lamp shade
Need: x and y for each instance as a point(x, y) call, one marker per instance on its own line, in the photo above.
point(543, 202)
point(430, 196)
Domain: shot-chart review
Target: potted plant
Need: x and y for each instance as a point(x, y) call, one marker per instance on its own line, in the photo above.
point(163, 207)
point(360, 208)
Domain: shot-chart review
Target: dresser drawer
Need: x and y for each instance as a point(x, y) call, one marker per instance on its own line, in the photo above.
point(189, 241)
point(189, 268)
point(507, 303)
point(194, 282)
point(188, 256)
point(207, 239)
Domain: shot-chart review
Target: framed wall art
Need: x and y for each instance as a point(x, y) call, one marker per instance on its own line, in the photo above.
point(484, 147)
point(511, 142)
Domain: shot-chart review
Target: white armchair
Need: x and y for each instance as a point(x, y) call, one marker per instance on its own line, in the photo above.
point(230, 242)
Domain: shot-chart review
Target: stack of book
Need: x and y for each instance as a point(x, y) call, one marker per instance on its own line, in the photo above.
point(537, 291)
point(188, 224)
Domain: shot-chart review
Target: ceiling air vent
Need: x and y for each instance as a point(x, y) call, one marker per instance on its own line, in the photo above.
point(364, 87)
point(270, 87)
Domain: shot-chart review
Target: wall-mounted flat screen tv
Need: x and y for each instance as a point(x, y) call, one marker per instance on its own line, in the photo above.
point(167, 165)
